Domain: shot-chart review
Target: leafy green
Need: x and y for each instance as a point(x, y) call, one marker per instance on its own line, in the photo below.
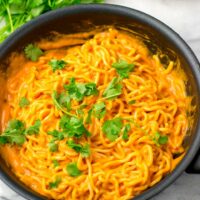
point(53, 147)
point(14, 133)
point(33, 52)
point(99, 110)
point(55, 183)
point(160, 139)
point(123, 68)
point(127, 128)
point(113, 90)
point(73, 127)
point(73, 170)
point(112, 128)
point(58, 135)
point(34, 129)
point(89, 117)
point(132, 102)
point(84, 150)
point(62, 100)
point(55, 163)
point(23, 102)
point(77, 91)
point(16, 13)
point(57, 64)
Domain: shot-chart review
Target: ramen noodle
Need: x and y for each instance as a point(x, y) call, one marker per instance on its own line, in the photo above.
point(92, 116)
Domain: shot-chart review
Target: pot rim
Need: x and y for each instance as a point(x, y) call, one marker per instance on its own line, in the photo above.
point(159, 26)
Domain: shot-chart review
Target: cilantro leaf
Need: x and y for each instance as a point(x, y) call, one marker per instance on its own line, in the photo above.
point(127, 128)
point(57, 64)
point(73, 170)
point(113, 90)
point(23, 102)
point(61, 101)
point(33, 52)
point(84, 150)
point(89, 117)
point(132, 102)
point(55, 183)
point(73, 126)
point(34, 129)
point(53, 147)
point(55, 163)
point(99, 110)
point(160, 139)
point(123, 68)
point(111, 128)
point(58, 135)
point(77, 91)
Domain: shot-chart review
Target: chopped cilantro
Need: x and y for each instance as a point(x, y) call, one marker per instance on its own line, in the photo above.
point(73, 126)
point(160, 139)
point(84, 150)
point(55, 163)
point(123, 68)
point(99, 110)
point(23, 102)
point(89, 117)
point(58, 135)
point(111, 128)
point(132, 102)
point(113, 90)
point(57, 64)
point(53, 147)
point(32, 52)
point(127, 128)
point(55, 183)
point(34, 129)
point(73, 170)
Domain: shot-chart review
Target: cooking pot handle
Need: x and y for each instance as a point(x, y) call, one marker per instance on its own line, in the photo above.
point(194, 167)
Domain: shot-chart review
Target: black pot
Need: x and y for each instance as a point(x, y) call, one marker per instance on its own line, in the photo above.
point(81, 18)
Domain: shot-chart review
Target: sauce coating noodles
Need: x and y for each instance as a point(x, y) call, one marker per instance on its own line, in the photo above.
point(152, 100)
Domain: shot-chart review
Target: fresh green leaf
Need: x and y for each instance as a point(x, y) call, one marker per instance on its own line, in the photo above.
point(34, 129)
point(132, 102)
point(99, 110)
point(84, 150)
point(73, 170)
point(113, 90)
point(23, 102)
point(77, 91)
point(58, 135)
point(160, 139)
point(127, 128)
point(53, 146)
point(57, 64)
point(89, 117)
point(61, 101)
point(123, 68)
point(55, 163)
point(32, 52)
point(73, 127)
point(55, 183)
point(111, 128)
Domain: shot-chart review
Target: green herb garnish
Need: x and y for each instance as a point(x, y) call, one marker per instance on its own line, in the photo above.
point(57, 64)
point(99, 110)
point(55, 163)
point(73, 170)
point(73, 127)
point(23, 102)
point(111, 128)
point(132, 102)
point(84, 150)
point(55, 183)
point(58, 135)
point(127, 128)
point(123, 68)
point(53, 147)
point(34, 129)
point(160, 139)
point(89, 117)
point(33, 52)
point(114, 89)
point(77, 91)
point(14, 133)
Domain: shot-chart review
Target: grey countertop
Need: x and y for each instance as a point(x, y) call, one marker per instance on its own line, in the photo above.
point(184, 17)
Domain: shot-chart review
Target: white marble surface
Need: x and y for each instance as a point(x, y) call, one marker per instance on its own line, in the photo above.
point(184, 17)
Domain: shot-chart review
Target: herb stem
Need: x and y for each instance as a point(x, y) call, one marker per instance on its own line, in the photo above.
point(10, 18)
